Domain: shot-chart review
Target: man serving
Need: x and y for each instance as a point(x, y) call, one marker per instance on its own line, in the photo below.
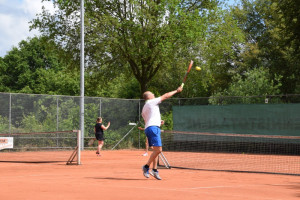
point(152, 118)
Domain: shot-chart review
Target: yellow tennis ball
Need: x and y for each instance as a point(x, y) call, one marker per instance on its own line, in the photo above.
point(198, 68)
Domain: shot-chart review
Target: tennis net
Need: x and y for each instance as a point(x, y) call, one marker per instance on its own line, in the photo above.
point(41, 147)
point(232, 152)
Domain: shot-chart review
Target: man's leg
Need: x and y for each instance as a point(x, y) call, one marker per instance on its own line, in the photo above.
point(154, 171)
point(153, 158)
point(153, 135)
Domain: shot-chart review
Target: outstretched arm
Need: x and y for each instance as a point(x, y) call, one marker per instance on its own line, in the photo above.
point(170, 94)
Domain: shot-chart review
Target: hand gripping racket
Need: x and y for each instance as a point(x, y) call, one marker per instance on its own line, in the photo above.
point(187, 72)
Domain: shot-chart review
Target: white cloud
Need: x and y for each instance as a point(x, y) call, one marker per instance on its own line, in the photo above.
point(15, 16)
point(32, 7)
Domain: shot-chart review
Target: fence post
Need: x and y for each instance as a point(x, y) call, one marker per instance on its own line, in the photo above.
point(100, 107)
point(79, 147)
point(139, 121)
point(9, 126)
point(57, 113)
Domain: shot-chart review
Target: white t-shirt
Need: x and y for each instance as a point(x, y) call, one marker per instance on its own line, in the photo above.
point(151, 113)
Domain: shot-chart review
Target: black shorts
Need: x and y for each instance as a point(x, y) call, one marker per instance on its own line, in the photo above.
point(99, 136)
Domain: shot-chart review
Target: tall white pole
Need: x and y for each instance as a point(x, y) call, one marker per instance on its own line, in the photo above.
point(82, 75)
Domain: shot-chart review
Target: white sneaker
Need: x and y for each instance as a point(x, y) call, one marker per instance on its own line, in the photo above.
point(155, 174)
point(145, 154)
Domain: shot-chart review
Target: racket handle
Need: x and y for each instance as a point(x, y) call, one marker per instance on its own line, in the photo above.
point(182, 84)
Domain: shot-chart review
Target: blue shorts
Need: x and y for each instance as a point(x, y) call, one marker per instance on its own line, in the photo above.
point(153, 135)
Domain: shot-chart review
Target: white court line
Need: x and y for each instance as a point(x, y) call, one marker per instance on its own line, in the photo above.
point(203, 191)
point(49, 176)
point(6, 178)
point(194, 188)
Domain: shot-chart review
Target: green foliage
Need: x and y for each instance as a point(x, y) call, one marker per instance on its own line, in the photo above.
point(214, 49)
point(168, 119)
point(256, 82)
point(36, 67)
point(112, 137)
point(271, 28)
point(30, 123)
point(4, 123)
point(140, 39)
point(220, 50)
point(121, 86)
point(69, 112)
point(134, 45)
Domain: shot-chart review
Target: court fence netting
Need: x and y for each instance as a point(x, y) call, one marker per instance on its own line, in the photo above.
point(247, 134)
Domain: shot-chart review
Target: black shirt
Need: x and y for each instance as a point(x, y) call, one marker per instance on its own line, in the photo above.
point(98, 128)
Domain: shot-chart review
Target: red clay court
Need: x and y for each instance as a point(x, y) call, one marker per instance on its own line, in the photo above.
point(118, 175)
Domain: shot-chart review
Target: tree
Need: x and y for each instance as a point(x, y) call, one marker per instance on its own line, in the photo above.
point(3, 68)
point(35, 66)
point(256, 82)
point(272, 38)
point(138, 37)
point(290, 20)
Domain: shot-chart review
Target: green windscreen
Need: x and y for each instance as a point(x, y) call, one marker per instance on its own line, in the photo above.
point(258, 119)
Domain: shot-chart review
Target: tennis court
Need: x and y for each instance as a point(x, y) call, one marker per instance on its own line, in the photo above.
point(117, 175)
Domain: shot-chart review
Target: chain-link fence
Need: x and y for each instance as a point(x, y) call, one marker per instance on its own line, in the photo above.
point(21, 113)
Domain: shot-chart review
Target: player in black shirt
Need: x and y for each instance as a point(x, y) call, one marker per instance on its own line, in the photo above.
point(99, 128)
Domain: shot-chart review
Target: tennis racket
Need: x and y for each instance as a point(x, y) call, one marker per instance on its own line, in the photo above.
point(187, 72)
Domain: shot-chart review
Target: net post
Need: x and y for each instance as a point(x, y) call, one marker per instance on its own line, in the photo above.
point(77, 151)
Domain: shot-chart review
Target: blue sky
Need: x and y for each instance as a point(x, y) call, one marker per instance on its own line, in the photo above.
point(14, 21)
point(15, 16)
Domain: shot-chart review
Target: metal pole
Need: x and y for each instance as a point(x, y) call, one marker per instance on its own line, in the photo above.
point(57, 113)
point(82, 74)
point(100, 108)
point(79, 147)
point(9, 113)
point(139, 122)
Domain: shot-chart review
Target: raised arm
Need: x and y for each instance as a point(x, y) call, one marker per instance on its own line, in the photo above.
point(170, 94)
point(105, 127)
